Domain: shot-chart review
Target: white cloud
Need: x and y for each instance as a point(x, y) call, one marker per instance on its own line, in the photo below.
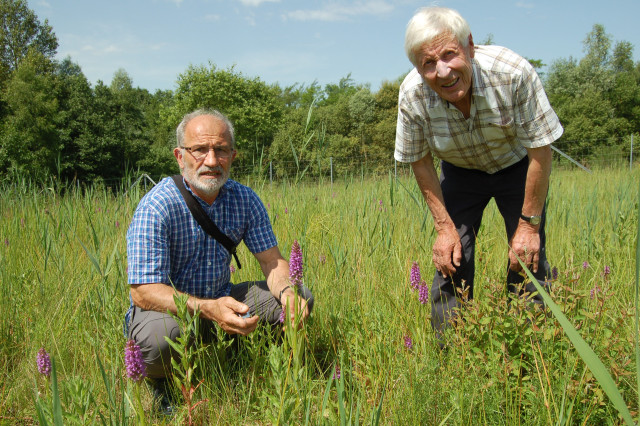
point(44, 3)
point(256, 3)
point(525, 5)
point(339, 12)
point(112, 48)
point(212, 18)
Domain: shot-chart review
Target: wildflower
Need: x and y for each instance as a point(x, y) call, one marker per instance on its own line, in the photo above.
point(336, 373)
point(322, 258)
point(268, 205)
point(423, 294)
point(117, 224)
point(380, 202)
point(595, 290)
point(585, 265)
point(136, 369)
point(554, 273)
point(295, 264)
point(44, 362)
point(281, 318)
point(232, 268)
point(607, 270)
point(408, 343)
point(416, 278)
point(286, 210)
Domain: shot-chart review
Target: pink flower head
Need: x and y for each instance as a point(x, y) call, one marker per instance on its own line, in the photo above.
point(281, 318)
point(136, 368)
point(607, 270)
point(232, 268)
point(408, 343)
point(44, 362)
point(416, 278)
point(423, 294)
point(585, 265)
point(295, 264)
point(336, 373)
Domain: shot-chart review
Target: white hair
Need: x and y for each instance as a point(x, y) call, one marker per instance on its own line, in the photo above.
point(431, 22)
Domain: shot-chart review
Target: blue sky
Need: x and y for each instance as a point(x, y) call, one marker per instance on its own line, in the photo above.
point(289, 41)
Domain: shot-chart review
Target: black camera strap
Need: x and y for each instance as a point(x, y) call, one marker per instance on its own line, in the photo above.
point(205, 221)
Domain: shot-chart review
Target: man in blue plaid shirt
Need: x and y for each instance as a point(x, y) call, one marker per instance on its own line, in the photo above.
point(168, 252)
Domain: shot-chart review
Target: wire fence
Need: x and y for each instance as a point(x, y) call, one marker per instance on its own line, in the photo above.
point(331, 169)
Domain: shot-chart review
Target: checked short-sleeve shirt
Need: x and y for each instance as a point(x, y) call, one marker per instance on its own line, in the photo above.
point(509, 113)
point(166, 245)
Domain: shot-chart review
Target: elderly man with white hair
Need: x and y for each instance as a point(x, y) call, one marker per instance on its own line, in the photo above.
point(482, 111)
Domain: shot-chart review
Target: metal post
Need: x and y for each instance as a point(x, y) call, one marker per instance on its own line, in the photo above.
point(331, 167)
point(631, 154)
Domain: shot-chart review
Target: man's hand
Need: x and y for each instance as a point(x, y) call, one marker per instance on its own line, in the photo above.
point(225, 312)
point(447, 251)
point(292, 304)
point(525, 244)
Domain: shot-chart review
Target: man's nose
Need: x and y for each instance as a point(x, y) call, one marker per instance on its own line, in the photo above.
point(210, 159)
point(442, 68)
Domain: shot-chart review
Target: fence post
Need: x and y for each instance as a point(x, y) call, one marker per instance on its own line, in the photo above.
point(271, 172)
point(631, 154)
point(331, 168)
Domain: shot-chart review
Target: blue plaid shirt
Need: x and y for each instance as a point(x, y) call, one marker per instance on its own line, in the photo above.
point(166, 245)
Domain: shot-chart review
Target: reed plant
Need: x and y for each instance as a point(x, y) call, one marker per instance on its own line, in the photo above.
point(63, 287)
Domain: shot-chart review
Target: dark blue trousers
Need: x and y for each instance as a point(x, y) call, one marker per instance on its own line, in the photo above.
point(466, 194)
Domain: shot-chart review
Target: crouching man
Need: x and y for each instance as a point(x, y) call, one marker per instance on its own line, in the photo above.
point(168, 251)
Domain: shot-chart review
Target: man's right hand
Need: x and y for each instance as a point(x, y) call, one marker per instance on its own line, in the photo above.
point(447, 251)
point(225, 312)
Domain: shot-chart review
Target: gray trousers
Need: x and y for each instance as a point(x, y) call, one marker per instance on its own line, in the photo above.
point(466, 194)
point(149, 328)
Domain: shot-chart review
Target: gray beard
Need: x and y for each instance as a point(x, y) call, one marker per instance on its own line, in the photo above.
point(209, 187)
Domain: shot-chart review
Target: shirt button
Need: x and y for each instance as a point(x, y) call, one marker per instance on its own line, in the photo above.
point(209, 289)
point(209, 263)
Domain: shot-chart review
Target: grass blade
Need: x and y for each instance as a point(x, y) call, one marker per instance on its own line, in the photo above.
point(587, 354)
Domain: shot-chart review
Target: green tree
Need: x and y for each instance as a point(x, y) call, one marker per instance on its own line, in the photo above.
point(255, 108)
point(29, 143)
point(596, 98)
point(20, 31)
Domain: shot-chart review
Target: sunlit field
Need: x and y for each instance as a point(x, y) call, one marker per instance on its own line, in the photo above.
point(368, 354)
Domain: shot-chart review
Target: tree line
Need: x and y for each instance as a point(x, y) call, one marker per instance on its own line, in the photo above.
point(55, 124)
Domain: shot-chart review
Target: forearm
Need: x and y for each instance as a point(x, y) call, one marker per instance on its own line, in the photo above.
point(429, 185)
point(275, 269)
point(160, 297)
point(537, 183)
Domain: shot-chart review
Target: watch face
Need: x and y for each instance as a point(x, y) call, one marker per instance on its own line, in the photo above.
point(535, 220)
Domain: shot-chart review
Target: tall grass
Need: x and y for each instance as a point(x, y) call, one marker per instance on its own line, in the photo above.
point(63, 287)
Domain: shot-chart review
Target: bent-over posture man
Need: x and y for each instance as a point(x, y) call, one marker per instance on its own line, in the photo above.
point(169, 252)
point(483, 112)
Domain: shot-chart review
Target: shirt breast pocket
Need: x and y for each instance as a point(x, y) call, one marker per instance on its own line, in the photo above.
point(497, 134)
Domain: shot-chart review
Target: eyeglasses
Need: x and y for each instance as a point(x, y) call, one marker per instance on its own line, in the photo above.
point(199, 153)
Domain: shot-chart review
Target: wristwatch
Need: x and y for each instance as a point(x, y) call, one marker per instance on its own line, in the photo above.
point(534, 220)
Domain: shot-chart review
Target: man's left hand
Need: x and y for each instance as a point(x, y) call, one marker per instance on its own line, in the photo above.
point(525, 244)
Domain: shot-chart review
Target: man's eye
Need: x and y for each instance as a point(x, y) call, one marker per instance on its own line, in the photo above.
point(202, 150)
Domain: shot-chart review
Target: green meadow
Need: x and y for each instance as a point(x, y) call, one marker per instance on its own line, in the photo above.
point(63, 287)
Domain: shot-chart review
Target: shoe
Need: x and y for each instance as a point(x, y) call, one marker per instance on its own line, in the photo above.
point(162, 397)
